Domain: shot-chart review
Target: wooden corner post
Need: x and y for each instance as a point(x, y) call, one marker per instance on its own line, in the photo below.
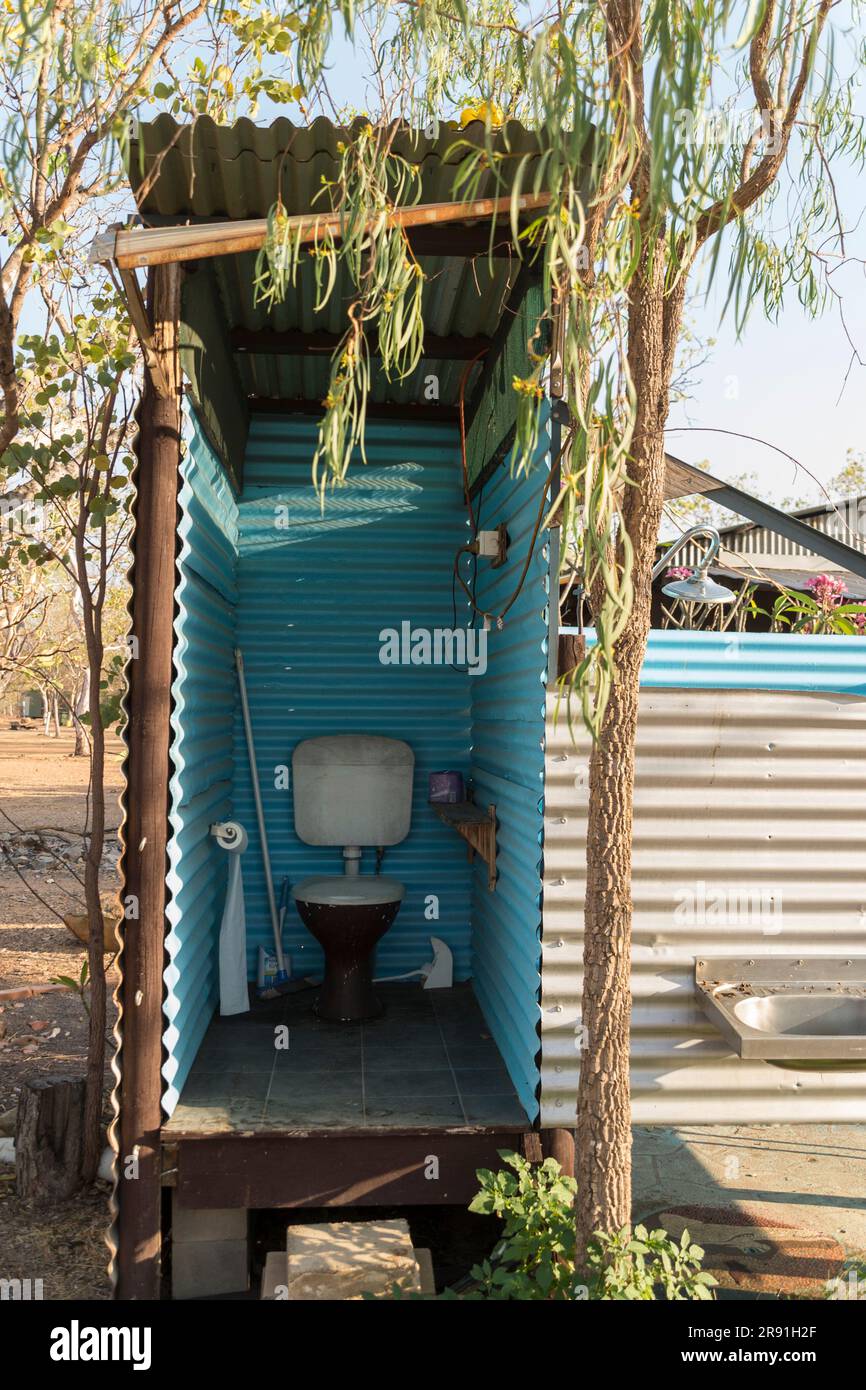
point(147, 803)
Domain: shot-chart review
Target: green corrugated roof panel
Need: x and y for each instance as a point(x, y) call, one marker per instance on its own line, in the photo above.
point(209, 170)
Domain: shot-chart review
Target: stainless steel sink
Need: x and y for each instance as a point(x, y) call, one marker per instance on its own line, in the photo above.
point(806, 1009)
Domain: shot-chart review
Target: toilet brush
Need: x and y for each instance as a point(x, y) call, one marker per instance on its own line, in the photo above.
point(282, 979)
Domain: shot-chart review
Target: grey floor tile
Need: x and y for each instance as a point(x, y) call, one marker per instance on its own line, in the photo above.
point(410, 1112)
point(299, 1084)
point(381, 1086)
point(478, 1081)
point(412, 1035)
point(220, 1088)
point(314, 1114)
point(476, 1055)
point(423, 1056)
point(220, 1059)
point(494, 1110)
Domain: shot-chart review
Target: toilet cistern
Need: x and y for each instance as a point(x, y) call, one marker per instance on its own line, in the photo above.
point(350, 791)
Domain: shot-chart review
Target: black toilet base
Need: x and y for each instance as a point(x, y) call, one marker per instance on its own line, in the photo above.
point(348, 936)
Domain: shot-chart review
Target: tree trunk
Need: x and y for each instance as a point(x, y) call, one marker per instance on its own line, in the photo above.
point(603, 1104)
point(49, 1139)
point(55, 714)
point(79, 707)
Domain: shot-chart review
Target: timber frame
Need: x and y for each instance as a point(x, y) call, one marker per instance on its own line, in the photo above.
point(146, 801)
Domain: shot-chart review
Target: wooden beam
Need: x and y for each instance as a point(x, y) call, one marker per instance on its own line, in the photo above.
point(376, 410)
point(684, 480)
point(295, 344)
point(457, 239)
point(145, 246)
point(143, 328)
point(370, 1168)
point(145, 832)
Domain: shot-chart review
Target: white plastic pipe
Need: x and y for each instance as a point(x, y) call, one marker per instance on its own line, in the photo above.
point(260, 815)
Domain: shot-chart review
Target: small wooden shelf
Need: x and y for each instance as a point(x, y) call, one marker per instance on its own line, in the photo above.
point(477, 827)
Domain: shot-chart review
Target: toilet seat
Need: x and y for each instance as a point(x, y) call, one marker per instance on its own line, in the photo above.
point(343, 890)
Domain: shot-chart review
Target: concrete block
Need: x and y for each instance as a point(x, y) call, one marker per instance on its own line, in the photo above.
point(207, 1223)
point(276, 1275)
point(425, 1270)
point(341, 1260)
point(207, 1268)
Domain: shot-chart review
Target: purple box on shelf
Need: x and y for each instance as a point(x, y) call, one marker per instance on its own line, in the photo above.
point(447, 787)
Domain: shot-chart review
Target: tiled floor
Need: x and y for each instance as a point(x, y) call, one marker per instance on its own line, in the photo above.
point(428, 1062)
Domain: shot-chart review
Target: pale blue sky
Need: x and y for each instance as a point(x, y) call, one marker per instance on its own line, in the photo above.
point(783, 381)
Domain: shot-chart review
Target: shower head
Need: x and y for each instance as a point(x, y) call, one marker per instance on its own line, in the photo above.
point(698, 588)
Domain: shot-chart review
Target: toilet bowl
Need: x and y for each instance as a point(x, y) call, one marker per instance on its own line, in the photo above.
point(350, 790)
point(347, 916)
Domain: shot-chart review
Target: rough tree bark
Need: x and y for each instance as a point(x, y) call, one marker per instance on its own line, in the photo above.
point(654, 325)
point(603, 1106)
point(49, 1139)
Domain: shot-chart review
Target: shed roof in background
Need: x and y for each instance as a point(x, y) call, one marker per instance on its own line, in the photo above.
point(753, 550)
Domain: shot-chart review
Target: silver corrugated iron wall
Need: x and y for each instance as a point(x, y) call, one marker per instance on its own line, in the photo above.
point(315, 592)
point(750, 806)
point(204, 697)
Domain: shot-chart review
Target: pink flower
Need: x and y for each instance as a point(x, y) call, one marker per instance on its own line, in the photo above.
point(678, 572)
point(827, 591)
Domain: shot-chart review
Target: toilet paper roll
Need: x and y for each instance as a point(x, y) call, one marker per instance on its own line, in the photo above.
point(231, 836)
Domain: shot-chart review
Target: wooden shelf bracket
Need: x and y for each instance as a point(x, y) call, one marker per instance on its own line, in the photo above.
point(478, 829)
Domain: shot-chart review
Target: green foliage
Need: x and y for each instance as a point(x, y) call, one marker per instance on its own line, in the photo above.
point(802, 613)
point(386, 278)
point(535, 1259)
point(639, 1265)
point(80, 987)
point(644, 169)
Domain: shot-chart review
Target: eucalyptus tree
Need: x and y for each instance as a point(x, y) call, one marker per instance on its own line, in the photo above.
point(679, 139)
point(73, 73)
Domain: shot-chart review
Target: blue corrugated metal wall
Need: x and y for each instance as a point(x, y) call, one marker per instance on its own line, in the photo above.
point(204, 699)
point(753, 661)
point(314, 593)
point(508, 711)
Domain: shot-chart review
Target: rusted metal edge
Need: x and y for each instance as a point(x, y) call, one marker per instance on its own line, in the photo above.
point(134, 248)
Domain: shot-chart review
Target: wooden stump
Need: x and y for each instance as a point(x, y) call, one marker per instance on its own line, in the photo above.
point(49, 1139)
point(570, 652)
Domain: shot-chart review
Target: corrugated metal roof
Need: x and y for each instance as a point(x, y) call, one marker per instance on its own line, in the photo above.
point(208, 171)
point(749, 808)
point(238, 171)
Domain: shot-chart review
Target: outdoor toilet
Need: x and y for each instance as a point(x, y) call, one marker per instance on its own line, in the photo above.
point(751, 760)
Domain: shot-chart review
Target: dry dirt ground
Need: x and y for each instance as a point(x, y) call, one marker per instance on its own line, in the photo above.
point(43, 788)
